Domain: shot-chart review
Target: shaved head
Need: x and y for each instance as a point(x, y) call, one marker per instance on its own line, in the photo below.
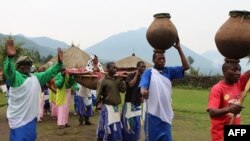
point(231, 71)
point(229, 63)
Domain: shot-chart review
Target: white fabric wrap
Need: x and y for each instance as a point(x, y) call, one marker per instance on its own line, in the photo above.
point(129, 113)
point(113, 116)
point(23, 102)
point(84, 92)
point(160, 101)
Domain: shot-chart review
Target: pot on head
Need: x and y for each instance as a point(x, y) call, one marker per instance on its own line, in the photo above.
point(233, 37)
point(162, 33)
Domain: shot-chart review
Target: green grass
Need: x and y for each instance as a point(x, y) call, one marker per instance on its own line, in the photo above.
point(3, 100)
point(191, 121)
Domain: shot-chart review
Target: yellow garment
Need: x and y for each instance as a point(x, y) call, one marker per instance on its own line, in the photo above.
point(52, 97)
point(61, 93)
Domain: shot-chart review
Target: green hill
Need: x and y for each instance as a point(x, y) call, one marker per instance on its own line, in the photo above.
point(29, 44)
point(124, 44)
point(48, 42)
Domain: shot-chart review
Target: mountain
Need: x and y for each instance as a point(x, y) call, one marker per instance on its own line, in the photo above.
point(218, 59)
point(29, 44)
point(48, 42)
point(124, 44)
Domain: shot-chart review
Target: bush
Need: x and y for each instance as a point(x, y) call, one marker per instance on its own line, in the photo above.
point(196, 82)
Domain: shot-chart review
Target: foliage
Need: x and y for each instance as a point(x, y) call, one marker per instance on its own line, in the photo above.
point(3, 55)
point(21, 51)
point(196, 82)
point(192, 70)
point(190, 60)
point(46, 59)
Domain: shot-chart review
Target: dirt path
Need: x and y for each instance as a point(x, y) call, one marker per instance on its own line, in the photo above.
point(4, 127)
point(48, 130)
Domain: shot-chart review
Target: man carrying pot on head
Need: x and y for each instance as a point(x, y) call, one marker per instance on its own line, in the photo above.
point(24, 93)
point(224, 98)
point(156, 88)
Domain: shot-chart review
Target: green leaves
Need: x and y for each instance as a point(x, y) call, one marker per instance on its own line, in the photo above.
point(21, 51)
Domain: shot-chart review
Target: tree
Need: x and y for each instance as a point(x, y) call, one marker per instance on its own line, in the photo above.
point(3, 55)
point(192, 70)
point(46, 59)
point(190, 60)
point(20, 51)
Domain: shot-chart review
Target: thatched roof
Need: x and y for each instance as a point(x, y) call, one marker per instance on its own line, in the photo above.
point(130, 62)
point(73, 57)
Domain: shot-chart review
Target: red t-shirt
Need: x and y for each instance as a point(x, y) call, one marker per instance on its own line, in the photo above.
point(220, 96)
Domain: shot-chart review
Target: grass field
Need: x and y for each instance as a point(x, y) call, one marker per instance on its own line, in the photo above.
point(191, 121)
point(2, 99)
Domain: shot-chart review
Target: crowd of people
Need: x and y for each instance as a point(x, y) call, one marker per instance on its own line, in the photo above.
point(147, 102)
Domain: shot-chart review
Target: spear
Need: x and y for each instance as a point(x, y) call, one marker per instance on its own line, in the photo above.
point(242, 98)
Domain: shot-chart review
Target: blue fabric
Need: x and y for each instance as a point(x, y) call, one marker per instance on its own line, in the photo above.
point(46, 91)
point(169, 72)
point(88, 111)
point(47, 105)
point(24, 133)
point(82, 109)
point(132, 134)
point(157, 129)
point(80, 105)
point(93, 100)
point(76, 102)
point(7, 83)
point(107, 132)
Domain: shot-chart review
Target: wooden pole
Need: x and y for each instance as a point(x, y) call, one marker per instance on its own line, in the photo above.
point(242, 98)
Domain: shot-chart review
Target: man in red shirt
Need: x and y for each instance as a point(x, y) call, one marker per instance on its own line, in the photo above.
point(224, 98)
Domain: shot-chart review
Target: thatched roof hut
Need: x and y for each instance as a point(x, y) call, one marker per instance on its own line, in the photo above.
point(130, 62)
point(73, 57)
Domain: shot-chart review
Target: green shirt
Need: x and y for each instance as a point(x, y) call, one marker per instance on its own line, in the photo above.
point(109, 88)
point(59, 81)
point(75, 86)
point(17, 78)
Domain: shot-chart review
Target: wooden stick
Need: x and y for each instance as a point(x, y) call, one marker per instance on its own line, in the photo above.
point(147, 120)
point(242, 98)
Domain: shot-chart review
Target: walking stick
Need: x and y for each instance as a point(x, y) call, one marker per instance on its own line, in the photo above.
point(147, 120)
point(242, 98)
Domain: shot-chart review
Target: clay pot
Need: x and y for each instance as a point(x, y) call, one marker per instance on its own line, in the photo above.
point(233, 37)
point(162, 33)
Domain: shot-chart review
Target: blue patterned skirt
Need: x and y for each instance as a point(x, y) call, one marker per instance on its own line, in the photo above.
point(83, 109)
point(132, 122)
point(109, 131)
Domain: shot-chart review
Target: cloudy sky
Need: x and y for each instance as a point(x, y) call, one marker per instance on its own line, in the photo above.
point(89, 21)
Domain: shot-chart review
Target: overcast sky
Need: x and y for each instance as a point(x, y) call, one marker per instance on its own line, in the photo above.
point(87, 22)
